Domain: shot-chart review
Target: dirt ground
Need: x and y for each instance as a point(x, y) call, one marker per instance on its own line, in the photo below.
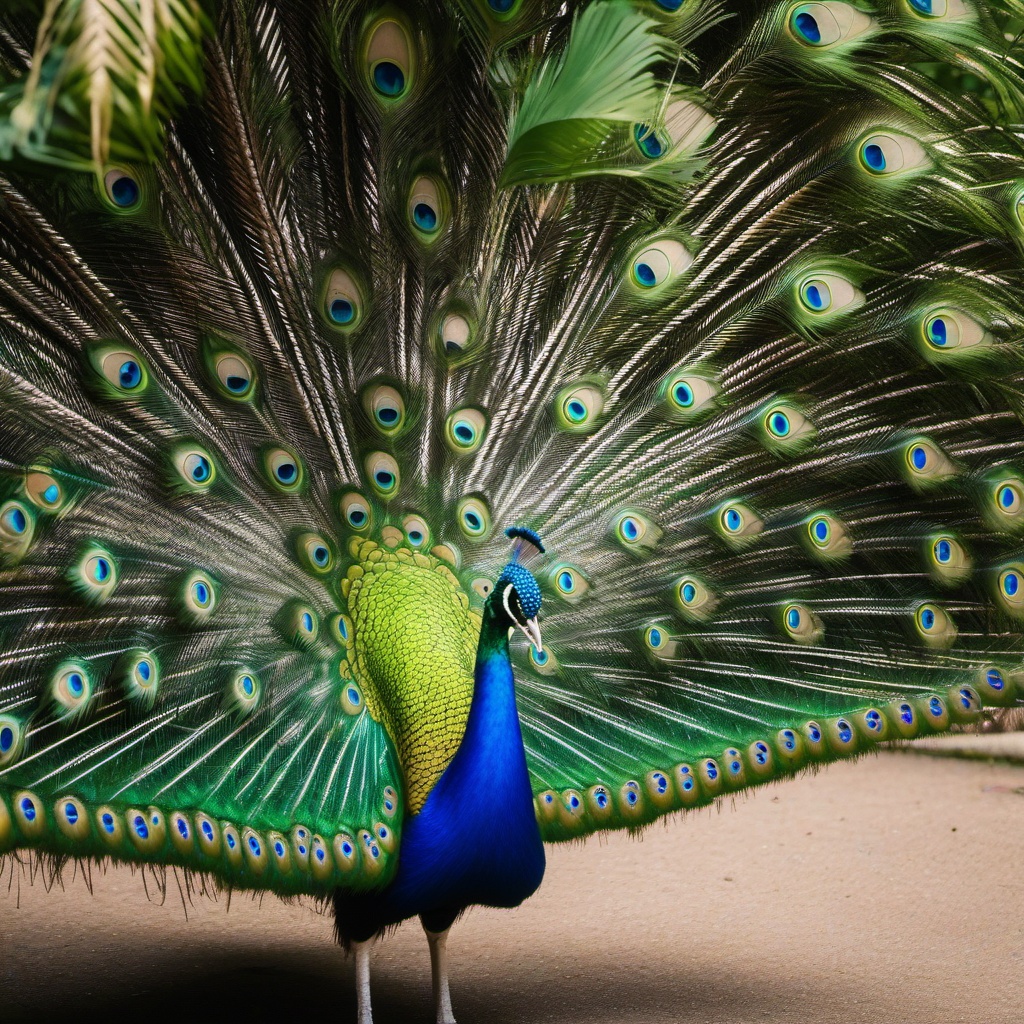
point(891, 890)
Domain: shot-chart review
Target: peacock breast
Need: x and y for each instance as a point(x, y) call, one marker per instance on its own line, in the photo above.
point(412, 651)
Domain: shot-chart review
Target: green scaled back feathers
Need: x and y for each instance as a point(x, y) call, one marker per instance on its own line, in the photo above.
point(723, 303)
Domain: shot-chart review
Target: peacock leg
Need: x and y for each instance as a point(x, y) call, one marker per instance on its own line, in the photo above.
point(439, 974)
point(364, 1013)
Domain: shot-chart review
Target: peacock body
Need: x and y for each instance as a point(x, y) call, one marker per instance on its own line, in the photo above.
point(720, 302)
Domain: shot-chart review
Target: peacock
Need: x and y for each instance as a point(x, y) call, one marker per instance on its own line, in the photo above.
point(348, 347)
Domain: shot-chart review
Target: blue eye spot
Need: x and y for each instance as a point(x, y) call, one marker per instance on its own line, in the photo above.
point(248, 685)
point(733, 520)
point(141, 829)
point(711, 769)
point(254, 846)
point(922, 6)
point(472, 520)
point(201, 593)
point(873, 720)
point(789, 739)
point(815, 733)
point(101, 570)
point(576, 411)
point(779, 424)
point(919, 457)
point(70, 814)
point(286, 472)
point(6, 739)
point(669, 5)
point(630, 529)
point(601, 798)
point(648, 141)
point(124, 191)
point(821, 529)
point(385, 480)
point(231, 841)
point(424, 217)
point(199, 468)
point(873, 156)
point(279, 849)
point(145, 670)
point(388, 415)
point(937, 332)
point(631, 797)
point(28, 809)
point(689, 592)
point(321, 555)
point(935, 707)
point(655, 637)
point(661, 782)
point(353, 695)
point(320, 855)
point(813, 297)
point(995, 679)
point(236, 384)
point(182, 825)
point(388, 78)
point(1011, 583)
point(342, 311)
point(645, 275)
point(793, 618)
point(540, 657)
point(108, 823)
point(845, 731)
point(357, 517)
point(51, 494)
point(307, 622)
point(683, 394)
point(207, 831)
point(501, 6)
point(389, 805)
point(928, 618)
point(76, 684)
point(943, 551)
point(1007, 496)
point(129, 374)
point(346, 848)
point(16, 520)
point(415, 536)
point(966, 699)
point(807, 26)
point(906, 713)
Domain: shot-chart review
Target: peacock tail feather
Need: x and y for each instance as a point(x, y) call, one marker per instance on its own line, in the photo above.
point(721, 301)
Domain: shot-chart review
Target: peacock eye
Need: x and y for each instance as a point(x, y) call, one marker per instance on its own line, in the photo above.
point(70, 690)
point(947, 329)
point(1008, 497)
point(12, 739)
point(464, 430)
point(123, 369)
point(926, 463)
point(315, 552)
point(389, 60)
point(801, 624)
point(386, 407)
point(142, 677)
point(356, 512)
point(195, 467)
point(669, 5)
point(543, 661)
point(693, 599)
point(284, 469)
point(95, 574)
point(937, 8)
point(455, 335)
point(635, 532)
point(382, 474)
point(17, 527)
point(199, 596)
point(578, 407)
point(235, 375)
point(417, 533)
point(474, 518)
point(828, 293)
point(659, 263)
point(947, 559)
point(568, 583)
point(1011, 588)
point(122, 190)
point(427, 207)
point(825, 24)
point(648, 142)
point(43, 490)
point(785, 428)
point(934, 625)
point(342, 300)
point(687, 396)
point(482, 587)
point(828, 537)
point(736, 523)
point(243, 692)
point(888, 153)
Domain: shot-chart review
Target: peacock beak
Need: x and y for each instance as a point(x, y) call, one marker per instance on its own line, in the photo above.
point(532, 629)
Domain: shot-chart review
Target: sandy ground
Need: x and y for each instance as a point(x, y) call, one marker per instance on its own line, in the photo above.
point(885, 891)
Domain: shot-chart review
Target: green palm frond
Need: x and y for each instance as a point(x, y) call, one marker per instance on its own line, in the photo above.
point(104, 77)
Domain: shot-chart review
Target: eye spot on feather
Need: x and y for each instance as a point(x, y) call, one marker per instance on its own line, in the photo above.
point(686, 396)
point(926, 463)
point(242, 694)
point(122, 370)
point(1008, 503)
point(94, 576)
point(146, 829)
point(578, 408)
point(254, 848)
point(342, 629)
point(12, 740)
point(474, 518)
point(417, 532)
point(820, 25)
point(635, 532)
point(964, 704)
point(42, 490)
point(386, 407)
point(801, 624)
point(669, 5)
point(235, 376)
point(947, 560)
point(342, 303)
point(827, 293)
point(71, 818)
point(17, 528)
point(947, 331)
point(207, 835)
point(141, 677)
point(195, 467)
point(784, 429)
point(647, 141)
point(888, 154)
point(464, 430)
point(568, 583)
point(382, 474)
point(950, 9)
point(543, 661)
point(198, 597)
point(389, 60)
point(657, 264)
point(428, 208)
point(122, 191)
point(455, 335)
point(29, 814)
point(315, 553)
point(1010, 589)
point(284, 470)
point(355, 510)
point(934, 625)
point(737, 524)
point(693, 599)
point(827, 537)
point(351, 698)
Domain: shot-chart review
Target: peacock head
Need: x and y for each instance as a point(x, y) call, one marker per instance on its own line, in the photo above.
point(516, 597)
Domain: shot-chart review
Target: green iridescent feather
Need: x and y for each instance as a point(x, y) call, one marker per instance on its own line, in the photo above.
point(741, 340)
